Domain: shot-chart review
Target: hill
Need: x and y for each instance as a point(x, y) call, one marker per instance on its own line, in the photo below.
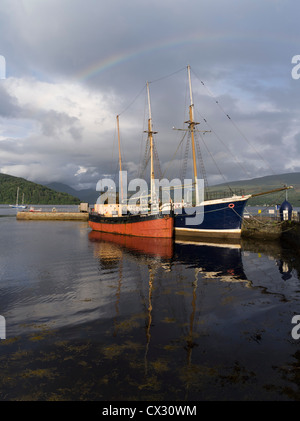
point(33, 193)
point(255, 185)
point(262, 184)
point(85, 195)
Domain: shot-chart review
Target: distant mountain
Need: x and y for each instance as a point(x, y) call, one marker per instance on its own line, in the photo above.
point(85, 195)
point(33, 193)
point(255, 185)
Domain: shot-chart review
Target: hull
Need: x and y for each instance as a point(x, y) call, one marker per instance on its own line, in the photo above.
point(220, 219)
point(151, 226)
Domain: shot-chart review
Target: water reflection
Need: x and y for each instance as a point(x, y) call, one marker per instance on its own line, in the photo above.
point(120, 318)
point(158, 296)
point(263, 265)
point(160, 247)
point(213, 259)
point(272, 267)
point(227, 261)
point(192, 298)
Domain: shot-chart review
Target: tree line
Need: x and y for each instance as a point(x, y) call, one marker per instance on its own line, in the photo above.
point(33, 193)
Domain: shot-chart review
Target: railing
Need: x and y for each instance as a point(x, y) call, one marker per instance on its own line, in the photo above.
point(274, 215)
point(212, 195)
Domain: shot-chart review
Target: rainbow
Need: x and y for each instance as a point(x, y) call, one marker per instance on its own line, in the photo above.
point(198, 38)
point(116, 59)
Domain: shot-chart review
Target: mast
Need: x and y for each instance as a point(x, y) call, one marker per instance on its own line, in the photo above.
point(120, 160)
point(150, 135)
point(192, 125)
point(191, 128)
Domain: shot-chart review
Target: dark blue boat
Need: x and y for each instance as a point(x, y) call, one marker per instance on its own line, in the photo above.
point(220, 218)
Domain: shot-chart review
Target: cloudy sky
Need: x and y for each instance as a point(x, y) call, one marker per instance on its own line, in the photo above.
point(72, 66)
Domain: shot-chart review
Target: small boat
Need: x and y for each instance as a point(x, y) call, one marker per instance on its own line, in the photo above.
point(32, 209)
point(17, 202)
point(111, 219)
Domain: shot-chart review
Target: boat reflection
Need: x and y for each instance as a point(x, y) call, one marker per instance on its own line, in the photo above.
point(175, 299)
point(213, 259)
point(228, 262)
point(156, 247)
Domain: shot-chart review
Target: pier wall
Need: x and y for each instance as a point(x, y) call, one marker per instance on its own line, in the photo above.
point(53, 216)
point(266, 228)
point(291, 233)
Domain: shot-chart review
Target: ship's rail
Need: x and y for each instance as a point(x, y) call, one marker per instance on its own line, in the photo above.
point(220, 194)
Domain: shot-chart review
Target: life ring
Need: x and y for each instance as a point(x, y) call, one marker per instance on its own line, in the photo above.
point(231, 205)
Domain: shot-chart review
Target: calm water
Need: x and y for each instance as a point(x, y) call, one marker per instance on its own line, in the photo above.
point(98, 317)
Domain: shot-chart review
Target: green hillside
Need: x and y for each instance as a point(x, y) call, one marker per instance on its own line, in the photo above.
point(33, 193)
point(263, 184)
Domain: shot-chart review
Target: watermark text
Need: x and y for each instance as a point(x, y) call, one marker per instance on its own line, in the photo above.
point(296, 329)
point(296, 69)
point(164, 196)
point(2, 328)
point(2, 67)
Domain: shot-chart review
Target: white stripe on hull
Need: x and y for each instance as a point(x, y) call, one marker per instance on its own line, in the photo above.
point(226, 233)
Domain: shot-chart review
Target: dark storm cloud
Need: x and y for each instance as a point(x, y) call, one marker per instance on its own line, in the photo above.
point(54, 123)
point(108, 50)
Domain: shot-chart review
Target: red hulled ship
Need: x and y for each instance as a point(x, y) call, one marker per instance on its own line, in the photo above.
point(152, 225)
point(110, 218)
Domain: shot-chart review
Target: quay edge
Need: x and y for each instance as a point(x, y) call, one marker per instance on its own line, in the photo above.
point(263, 228)
point(52, 216)
point(268, 229)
